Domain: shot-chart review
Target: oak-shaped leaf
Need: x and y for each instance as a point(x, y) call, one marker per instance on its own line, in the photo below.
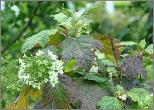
point(40, 39)
point(133, 66)
point(82, 49)
point(54, 98)
point(90, 93)
point(83, 95)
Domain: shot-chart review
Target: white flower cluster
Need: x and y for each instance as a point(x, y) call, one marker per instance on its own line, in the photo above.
point(110, 76)
point(55, 69)
point(123, 97)
point(94, 69)
point(21, 74)
point(53, 65)
point(121, 93)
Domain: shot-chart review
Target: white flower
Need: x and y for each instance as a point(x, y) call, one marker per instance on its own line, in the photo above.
point(60, 72)
point(39, 53)
point(53, 75)
point(15, 9)
point(110, 75)
point(52, 56)
point(38, 86)
point(20, 61)
point(94, 69)
point(123, 97)
point(31, 82)
point(21, 74)
point(53, 80)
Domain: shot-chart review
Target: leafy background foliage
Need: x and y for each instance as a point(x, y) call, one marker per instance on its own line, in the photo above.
point(118, 46)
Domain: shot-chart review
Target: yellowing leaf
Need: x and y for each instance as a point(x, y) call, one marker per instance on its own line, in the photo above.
point(22, 102)
point(56, 39)
point(69, 66)
point(35, 93)
point(110, 47)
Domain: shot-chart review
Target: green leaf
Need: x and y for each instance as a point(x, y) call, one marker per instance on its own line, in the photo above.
point(149, 69)
point(107, 62)
point(141, 96)
point(127, 43)
point(40, 38)
point(101, 65)
point(99, 54)
point(136, 94)
point(108, 102)
point(69, 66)
point(68, 23)
point(133, 106)
point(149, 49)
point(61, 17)
point(111, 70)
point(95, 77)
point(142, 44)
point(82, 49)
